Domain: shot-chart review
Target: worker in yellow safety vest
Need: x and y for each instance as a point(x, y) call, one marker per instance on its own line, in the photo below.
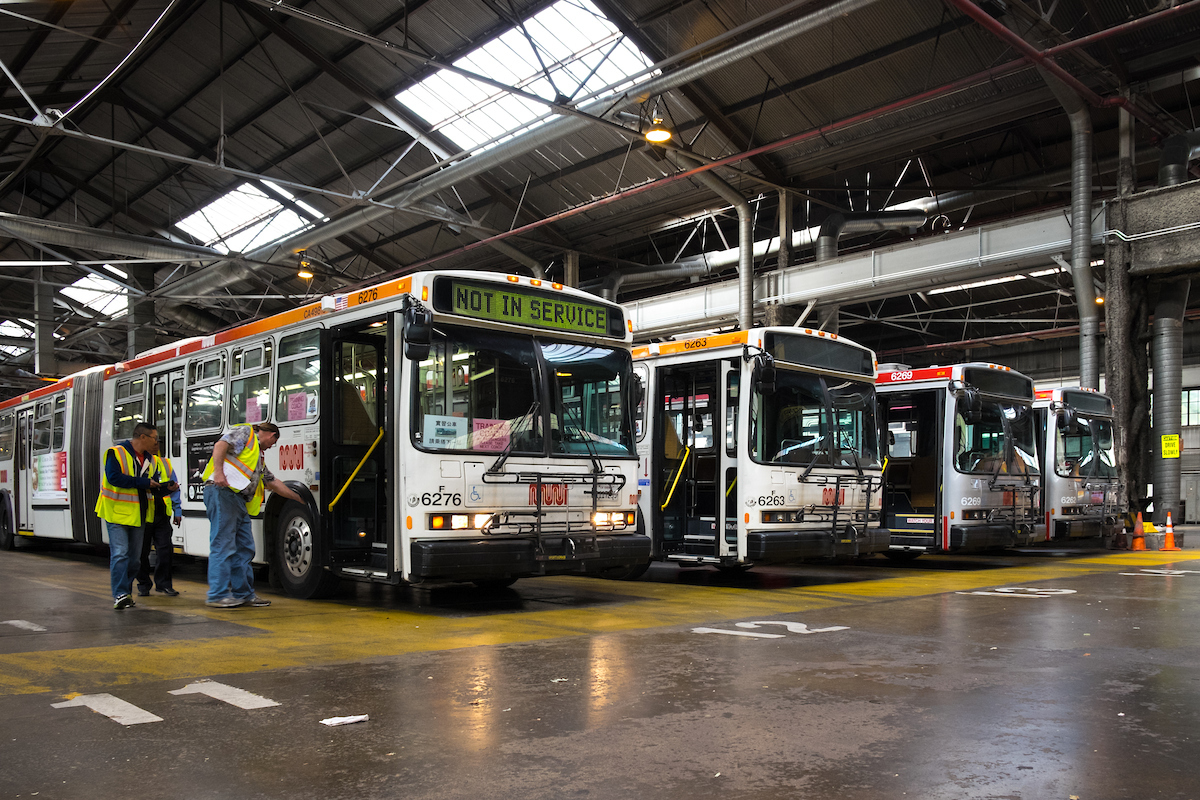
point(167, 511)
point(128, 483)
point(234, 479)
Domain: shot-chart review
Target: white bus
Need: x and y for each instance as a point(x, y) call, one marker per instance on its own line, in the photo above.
point(962, 472)
point(445, 426)
point(759, 447)
point(1081, 489)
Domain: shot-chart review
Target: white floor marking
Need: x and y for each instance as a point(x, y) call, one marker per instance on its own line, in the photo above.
point(739, 633)
point(114, 708)
point(229, 694)
point(793, 627)
point(22, 624)
point(1022, 591)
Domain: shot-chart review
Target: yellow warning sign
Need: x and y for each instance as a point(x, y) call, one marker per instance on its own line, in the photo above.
point(1170, 445)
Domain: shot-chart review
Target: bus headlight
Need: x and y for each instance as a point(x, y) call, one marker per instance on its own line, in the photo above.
point(459, 522)
point(614, 519)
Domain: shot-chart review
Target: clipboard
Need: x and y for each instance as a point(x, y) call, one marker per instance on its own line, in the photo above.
point(237, 481)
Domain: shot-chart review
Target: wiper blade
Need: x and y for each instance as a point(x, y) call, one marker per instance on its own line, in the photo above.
point(512, 437)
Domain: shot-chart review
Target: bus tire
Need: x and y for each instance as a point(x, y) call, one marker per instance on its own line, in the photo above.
point(295, 562)
point(901, 556)
point(7, 539)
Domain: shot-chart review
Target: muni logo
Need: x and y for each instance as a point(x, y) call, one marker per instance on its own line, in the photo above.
point(553, 494)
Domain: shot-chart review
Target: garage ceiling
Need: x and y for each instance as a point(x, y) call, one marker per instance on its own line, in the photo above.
point(172, 157)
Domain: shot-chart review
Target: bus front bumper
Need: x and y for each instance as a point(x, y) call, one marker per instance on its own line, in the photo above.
point(774, 547)
point(486, 559)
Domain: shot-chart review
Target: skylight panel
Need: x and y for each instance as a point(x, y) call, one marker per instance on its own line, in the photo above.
point(245, 218)
point(100, 295)
point(10, 328)
point(578, 46)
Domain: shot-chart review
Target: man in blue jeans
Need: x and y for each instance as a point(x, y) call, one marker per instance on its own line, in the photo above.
point(128, 484)
point(235, 478)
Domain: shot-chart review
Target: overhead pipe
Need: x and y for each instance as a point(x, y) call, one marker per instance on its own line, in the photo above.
point(841, 223)
point(1166, 348)
point(1070, 94)
point(553, 131)
point(745, 239)
point(65, 234)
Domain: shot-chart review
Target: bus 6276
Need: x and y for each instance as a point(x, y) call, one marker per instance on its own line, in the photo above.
point(446, 426)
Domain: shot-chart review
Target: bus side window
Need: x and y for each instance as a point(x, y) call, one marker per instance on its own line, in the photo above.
point(298, 377)
point(205, 394)
point(6, 437)
point(128, 408)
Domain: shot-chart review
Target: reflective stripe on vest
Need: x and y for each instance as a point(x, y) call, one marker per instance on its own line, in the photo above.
point(247, 464)
point(166, 470)
point(117, 505)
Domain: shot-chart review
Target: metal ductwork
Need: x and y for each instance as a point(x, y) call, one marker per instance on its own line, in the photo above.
point(1080, 118)
point(745, 240)
point(504, 153)
point(841, 223)
point(1166, 346)
point(62, 234)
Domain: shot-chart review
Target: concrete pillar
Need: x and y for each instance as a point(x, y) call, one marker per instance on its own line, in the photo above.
point(45, 362)
point(777, 313)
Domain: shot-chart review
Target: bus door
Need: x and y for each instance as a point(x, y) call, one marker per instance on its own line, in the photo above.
point(24, 482)
point(166, 412)
point(912, 481)
point(687, 459)
point(355, 445)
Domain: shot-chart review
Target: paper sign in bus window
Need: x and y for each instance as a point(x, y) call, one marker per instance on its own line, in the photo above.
point(297, 405)
point(450, 432)
point(490, 434)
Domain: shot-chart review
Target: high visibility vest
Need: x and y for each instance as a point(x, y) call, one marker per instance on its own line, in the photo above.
point(246, 463)
point(122, 506)
point(165, 469)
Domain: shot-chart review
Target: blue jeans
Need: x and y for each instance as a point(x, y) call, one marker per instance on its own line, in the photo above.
point(124, 550)
point(230, 545)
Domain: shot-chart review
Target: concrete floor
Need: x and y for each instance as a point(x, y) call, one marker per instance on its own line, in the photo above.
point(918, 680)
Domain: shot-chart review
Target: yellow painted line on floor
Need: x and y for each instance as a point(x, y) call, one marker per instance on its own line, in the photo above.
point(296, 633)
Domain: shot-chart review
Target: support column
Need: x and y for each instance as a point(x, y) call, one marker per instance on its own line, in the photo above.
point(776, 311)
point(45, 362)
point(140, 317)
point(571, 268)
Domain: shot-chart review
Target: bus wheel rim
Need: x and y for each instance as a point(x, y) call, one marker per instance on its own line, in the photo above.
point(297, 546)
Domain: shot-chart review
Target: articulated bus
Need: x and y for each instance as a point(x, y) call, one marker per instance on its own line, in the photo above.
point(446, 426)
point(759, 447)
point(962, 472)
point(1080, 485)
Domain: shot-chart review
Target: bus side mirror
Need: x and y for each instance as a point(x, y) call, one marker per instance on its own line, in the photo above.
point(418, 332)
point(639, 390)
point(973, 413)
point(764, 374)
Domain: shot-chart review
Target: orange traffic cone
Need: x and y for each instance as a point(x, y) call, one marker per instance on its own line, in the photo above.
point(1139, 535)
point(1169, 542)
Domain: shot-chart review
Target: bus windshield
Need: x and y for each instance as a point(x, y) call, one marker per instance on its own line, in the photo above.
point(814, 420)
point(589, 393)
point(996, 437)
point(483, 391)
point(1085, 449)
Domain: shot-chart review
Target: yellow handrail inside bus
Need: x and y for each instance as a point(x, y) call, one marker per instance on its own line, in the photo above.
point(349, 480)
point(687, 451)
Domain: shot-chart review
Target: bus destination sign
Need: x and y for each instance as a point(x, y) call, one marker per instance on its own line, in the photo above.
point(538, 310)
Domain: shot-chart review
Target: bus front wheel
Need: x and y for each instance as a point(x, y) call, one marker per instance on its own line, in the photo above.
point(295, 564)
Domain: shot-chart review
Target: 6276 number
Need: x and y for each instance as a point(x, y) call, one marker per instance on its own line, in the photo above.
point(441, 499)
